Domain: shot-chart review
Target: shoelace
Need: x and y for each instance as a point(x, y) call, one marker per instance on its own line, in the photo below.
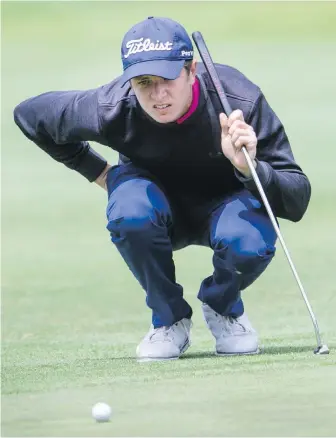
point(229, 321)
point(162, 333)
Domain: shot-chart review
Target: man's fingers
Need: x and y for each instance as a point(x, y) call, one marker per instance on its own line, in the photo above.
point(238, 133)
point(223, 120)
point(238, 124)
point(235, 115)
point(243, 141)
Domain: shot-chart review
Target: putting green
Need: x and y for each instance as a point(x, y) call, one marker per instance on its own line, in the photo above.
point(72, 313)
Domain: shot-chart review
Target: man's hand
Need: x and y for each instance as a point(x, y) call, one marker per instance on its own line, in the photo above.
point(236, 134)
point(101, 180)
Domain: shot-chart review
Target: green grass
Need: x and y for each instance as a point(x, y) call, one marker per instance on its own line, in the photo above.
point(72, 314)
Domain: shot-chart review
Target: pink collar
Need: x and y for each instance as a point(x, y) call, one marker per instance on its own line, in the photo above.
point(194, 102)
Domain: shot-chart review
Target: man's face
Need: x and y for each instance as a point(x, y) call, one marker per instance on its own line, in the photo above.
point(165, 100)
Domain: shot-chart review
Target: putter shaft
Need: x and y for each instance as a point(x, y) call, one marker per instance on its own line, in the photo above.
point(277, 230)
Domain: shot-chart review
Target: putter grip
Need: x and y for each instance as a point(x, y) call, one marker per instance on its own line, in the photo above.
point(211, 69)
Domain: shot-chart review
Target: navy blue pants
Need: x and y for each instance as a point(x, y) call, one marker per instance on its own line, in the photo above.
point(147, 225)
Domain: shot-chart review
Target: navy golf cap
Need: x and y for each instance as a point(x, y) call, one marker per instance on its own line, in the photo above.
point(156, 46)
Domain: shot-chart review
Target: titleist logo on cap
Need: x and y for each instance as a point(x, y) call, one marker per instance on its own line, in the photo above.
point(141, 45)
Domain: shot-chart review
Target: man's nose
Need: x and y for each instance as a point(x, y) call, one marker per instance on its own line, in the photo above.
point(159, 91)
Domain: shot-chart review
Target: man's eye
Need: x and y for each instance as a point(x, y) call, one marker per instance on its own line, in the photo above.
point(144, 83)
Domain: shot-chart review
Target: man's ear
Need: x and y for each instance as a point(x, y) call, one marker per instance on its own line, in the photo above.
point(193, 70)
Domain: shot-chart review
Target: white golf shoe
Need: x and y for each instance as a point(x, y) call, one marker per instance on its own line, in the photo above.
point(233, 335)
point(165, 343)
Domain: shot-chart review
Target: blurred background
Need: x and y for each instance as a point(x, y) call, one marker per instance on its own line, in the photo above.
point(66, 295)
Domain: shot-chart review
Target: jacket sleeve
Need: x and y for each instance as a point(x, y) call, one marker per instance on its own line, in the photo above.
point(287, 188)
point(61, 123)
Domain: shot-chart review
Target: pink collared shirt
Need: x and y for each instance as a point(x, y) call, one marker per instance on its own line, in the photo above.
point(194, 102)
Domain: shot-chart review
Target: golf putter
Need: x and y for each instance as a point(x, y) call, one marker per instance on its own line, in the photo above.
point(210, 67)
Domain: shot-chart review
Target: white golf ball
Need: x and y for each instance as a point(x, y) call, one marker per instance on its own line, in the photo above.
point(101, 412)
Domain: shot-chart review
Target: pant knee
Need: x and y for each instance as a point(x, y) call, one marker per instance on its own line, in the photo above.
point(245, 254)
point(137, 205)
point(130, 225)
point(253, 258)
point(137, 221)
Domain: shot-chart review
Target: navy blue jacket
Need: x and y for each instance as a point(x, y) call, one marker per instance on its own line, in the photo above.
point(183, 157)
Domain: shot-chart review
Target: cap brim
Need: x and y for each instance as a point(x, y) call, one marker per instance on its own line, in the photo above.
point(165, 69)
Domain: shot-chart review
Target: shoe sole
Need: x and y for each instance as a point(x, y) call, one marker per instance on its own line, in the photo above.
point(249, 353)
point(162, 359)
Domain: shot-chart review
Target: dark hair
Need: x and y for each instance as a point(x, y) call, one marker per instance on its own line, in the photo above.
point(187, 65)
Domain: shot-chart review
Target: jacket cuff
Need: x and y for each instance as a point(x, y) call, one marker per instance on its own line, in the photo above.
point(264, 172)
point(91, 165)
